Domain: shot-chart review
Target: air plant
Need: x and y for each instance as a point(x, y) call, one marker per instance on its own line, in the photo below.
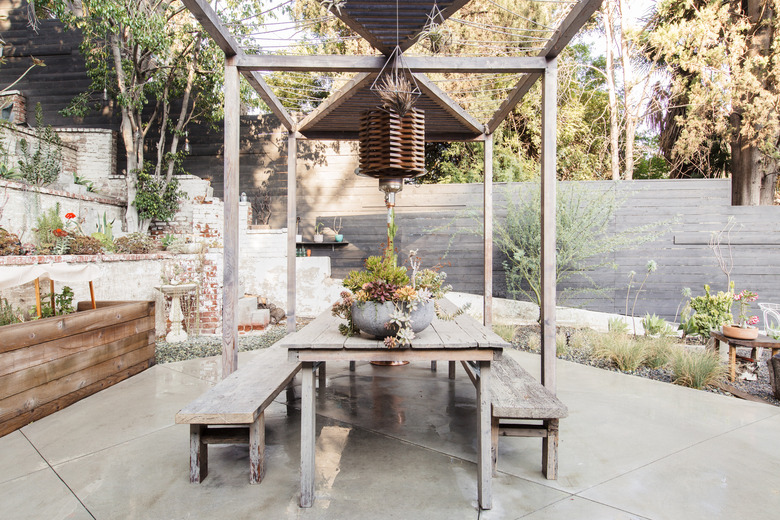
point(397, 94)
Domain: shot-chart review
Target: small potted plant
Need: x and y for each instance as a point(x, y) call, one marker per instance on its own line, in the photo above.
point(318, 237)
point(337, 229)
point(744, 328)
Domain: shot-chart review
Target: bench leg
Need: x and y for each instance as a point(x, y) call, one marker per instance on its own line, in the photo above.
point(433, 366)
point(308, 434)
point(290, 393)
point(321, 374)
point(550, 450)
point(199, 454)
point(351, 366)
point(452, 370)
point(494, 429)
point(257, 450)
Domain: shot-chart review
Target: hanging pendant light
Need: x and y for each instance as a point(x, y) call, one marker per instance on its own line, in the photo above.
point(187, 148)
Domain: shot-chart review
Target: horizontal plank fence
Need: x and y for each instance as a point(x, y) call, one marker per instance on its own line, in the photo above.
point(48, 364)
point(441, 222)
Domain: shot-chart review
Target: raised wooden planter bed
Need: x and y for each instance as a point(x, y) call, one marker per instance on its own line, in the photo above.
point(48, 364)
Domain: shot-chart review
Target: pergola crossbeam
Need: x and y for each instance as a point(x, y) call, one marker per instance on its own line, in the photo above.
point(568, 28)
point(210, 21)
point(423, 64)
point(448, 104)
point(336, 100)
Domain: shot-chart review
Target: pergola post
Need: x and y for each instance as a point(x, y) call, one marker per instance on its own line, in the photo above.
point(487, 311)
point(231, 173)
point(549, 146)
point(292, 156)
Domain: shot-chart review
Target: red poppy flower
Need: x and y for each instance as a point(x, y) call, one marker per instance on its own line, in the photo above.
point(59, 233)
point(70, 216)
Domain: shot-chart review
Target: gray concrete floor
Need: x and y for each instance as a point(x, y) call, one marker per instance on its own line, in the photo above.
point(399, 443)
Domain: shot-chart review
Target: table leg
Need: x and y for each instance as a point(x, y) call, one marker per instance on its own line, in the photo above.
point(308, 432)
point(484, 458)
point(732, 361)
point(452, 370)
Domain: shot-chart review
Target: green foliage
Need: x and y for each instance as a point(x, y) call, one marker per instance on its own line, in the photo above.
point(620, 349)
point(658, 351)
point(506, 331)
point(41, 160)
point(64, 301)
point(105, 233)
point(696, 369)
point(585, 240)
point(617, 325)
point(707, 312)
point(47, 223)
point(724, 68)
point(8, 314)
point(655, 325)
point(377, 268)
point(9, 243)
point(82, 181)
point(137, 243)
point(156, 198)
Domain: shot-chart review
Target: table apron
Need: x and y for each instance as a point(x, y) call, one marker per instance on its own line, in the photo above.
point(313, 355)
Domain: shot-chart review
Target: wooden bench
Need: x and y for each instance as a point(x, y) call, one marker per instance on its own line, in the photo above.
point(517, 398)
point(232, 412)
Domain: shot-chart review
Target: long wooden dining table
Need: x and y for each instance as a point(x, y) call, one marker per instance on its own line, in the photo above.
point(458, 339)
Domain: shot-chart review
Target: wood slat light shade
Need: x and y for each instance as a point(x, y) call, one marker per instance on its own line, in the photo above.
point(392, 146)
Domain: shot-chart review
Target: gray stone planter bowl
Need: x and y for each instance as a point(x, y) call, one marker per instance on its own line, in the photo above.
point(370, 317)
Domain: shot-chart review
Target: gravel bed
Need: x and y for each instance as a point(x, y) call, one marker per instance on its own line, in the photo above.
point(760, 388)
point(205, 346)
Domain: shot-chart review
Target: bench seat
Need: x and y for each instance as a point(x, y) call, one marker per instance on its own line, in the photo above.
point(516, 398)
point(232, 412)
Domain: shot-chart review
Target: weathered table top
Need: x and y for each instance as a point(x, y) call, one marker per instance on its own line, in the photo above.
point(460, 338)
point(761, 341)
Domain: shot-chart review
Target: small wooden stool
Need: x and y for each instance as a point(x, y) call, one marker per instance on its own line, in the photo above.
point(760, 342)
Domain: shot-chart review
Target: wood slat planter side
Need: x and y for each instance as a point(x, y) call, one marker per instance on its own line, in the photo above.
point(48, 364)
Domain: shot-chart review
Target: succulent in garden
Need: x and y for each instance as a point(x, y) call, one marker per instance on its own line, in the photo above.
point(9, 243)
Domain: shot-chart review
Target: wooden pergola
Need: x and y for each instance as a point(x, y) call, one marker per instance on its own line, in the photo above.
point(386, 25)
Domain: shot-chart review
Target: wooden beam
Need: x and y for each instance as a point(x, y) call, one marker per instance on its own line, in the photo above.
point(210, 21)
point(569, 27)
point(266, 94)
point(341, 14)
point(426, 64)
point(336, 99)
point(292, 162)
point(230, 233)
point(448, 104)
point(446, 13)
point(521, 89)
point(549, 147)
point(487, 311)
point(324, 135)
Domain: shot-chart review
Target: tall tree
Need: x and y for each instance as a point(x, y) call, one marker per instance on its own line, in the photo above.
point(162, 71)
point(724, 58)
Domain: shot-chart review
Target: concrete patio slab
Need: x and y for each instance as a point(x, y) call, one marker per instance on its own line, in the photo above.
point(398, 443)
point(18, 457)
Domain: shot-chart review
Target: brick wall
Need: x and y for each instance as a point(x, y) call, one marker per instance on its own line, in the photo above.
point(95, 159)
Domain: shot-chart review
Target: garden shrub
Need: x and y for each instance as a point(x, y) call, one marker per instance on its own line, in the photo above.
point(135, 244)
point(696, 369)
point(8, 314)
point(9, 243)
point(506, 331)
point(48, 230)
point(707, 312)
point(84, 245)
point(41, 161)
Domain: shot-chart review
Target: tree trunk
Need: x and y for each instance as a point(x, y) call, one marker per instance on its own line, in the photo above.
point(753, 173)
point(628, 91)
point(614, 128)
